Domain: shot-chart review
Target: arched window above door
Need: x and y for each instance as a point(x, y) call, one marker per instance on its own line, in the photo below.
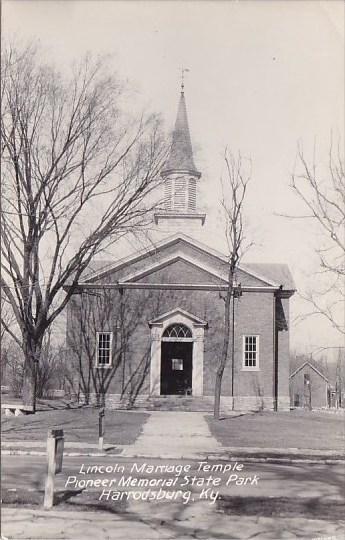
point(177, 331)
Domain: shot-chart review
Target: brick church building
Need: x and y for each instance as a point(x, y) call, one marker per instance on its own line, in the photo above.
point(147, 330)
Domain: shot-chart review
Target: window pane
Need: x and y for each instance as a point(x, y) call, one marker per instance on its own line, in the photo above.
point(250, 351)
point(177, 364)
point(104, 348)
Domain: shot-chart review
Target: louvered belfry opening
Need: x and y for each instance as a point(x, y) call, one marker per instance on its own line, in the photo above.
point(180, 194)
point(192, 194)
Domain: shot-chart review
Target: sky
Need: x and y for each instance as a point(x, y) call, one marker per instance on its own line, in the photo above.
point(263, 77)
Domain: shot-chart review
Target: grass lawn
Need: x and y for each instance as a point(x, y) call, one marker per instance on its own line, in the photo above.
point(79, 425)
point(293, 429)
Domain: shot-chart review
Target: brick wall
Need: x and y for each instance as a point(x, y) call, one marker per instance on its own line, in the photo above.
point(254, 315)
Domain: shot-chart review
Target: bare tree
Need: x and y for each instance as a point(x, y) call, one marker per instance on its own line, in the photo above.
point(234, 192)
point(121, 313)
point(76, 173)
point(324, 197)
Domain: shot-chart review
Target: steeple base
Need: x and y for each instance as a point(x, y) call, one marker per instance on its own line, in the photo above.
point(170, 223)
point(189, 219)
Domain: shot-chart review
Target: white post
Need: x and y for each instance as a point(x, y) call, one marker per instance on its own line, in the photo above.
point(101, 429)
point(155, 366)
point(198, 362)
point(55, 444)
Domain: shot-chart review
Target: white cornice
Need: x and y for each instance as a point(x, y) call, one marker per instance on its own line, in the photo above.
point(179, 215)
point(172, 286)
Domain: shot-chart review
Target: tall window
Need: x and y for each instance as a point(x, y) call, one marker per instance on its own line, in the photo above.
point(250, 352)
point(104, 344)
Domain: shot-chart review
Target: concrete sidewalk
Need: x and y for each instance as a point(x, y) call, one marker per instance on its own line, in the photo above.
point(174, 434)
point(254, 454)
point(198, 520)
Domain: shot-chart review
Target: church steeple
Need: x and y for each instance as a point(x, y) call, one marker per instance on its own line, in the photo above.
point(180, 177)
point(181, 151)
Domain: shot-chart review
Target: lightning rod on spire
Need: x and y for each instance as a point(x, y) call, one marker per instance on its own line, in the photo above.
point(183, 70)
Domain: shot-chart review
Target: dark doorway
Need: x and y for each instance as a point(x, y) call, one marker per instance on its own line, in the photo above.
point(176, 368)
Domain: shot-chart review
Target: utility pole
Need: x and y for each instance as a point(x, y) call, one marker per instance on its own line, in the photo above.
point(237, 292)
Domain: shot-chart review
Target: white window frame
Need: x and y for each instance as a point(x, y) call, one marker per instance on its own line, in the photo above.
point(97, 364)
point(257, 365)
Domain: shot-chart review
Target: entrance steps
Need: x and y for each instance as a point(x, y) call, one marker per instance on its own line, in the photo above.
point(180, 403)
point(158, 403)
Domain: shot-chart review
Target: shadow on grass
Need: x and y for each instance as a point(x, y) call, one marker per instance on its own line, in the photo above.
point(79, 425)
point(63, 496)
point(232, 417)
point(110, 449)
point(177, 524)
point(314, 508)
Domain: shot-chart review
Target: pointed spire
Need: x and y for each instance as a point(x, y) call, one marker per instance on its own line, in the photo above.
point(181, 151)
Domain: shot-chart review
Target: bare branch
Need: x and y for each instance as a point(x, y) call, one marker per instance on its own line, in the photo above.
point(323, 194)
point(74, 166)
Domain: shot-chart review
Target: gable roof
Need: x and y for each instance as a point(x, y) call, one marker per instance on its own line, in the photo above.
point(274, 275)
point(312, 367)
point(279, 273)
point(101, 268)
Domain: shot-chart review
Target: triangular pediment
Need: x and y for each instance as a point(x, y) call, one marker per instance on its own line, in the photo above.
point(178, 312)
point(180, 258)
point(177, 268)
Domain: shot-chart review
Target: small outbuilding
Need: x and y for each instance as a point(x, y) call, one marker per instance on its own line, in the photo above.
point(308, 387)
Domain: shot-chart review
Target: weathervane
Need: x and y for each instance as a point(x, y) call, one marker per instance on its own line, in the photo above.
point(183, 70)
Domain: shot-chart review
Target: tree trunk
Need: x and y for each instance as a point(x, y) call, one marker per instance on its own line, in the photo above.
point(32, 353)
point(224, 356)
point(218, 387)
point(28, 389)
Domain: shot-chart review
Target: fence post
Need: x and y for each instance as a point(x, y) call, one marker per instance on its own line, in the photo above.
point(55, 446)
point(100, 428)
